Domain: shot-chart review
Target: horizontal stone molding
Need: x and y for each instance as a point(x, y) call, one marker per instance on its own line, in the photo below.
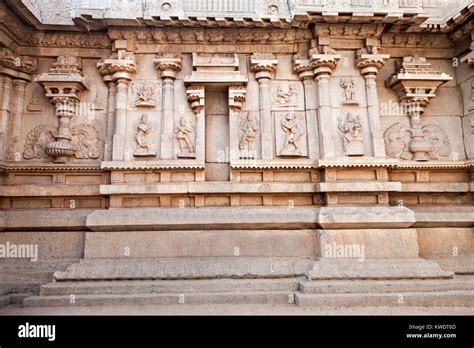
point(48, 190)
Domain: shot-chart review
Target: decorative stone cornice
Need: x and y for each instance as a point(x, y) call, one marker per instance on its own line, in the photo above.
point(415, 81)
point(16, 66)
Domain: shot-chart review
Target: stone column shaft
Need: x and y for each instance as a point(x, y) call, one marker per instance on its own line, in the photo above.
point(18, 102)
point(120, 119)
point(326, 122)
point(5, 104)
point(374, 116)
point(112, 90)
point(167, 130)
point(311, 116)
point(265, 115)
point(263, 65)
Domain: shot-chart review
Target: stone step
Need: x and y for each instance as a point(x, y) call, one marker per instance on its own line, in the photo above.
point(4, 300)
point(385, 286)
point(456, 298)
point(259, 297)
point(168, 286)
point(185, 268)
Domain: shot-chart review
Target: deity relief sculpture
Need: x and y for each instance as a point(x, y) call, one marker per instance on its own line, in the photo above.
point(183, 135)
point(351, 128)
point(249, 129)
point(288, 97)
point(293, 131)
point(418, 142)
point(144, 129)
point(35, 103)
point(348, 86)
point(144, 93)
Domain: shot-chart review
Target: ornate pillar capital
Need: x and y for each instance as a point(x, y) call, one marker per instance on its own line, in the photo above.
point(303, 67)
point(237, 97)
point(263, 64)
point(370, 61)
point(119, 66)
point(168, 64)
point(196, 98)
point(324, 60)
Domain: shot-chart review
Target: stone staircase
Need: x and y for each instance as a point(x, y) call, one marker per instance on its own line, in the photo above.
point(237, 280)
point(22, 278)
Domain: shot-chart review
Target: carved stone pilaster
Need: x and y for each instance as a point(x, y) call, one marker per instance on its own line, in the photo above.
point(263, 65)
point(305, 70)
point(370, 61)
point(237, 95)
point(16, 72)
point(196, 101)
point(324, 60)
point(118, 69)
point(168, 65)
point(63, 85)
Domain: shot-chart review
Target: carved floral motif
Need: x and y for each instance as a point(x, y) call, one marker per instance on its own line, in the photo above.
point(418, 143)
point(86, 141)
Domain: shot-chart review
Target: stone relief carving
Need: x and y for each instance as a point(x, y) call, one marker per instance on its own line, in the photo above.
point(471, 96)
point(248, 134)
point(144, 129)
point(97, 101)
point(293, 130)
point(144, 93)
point(348, 86)
point(86, 141)
point(63, 85)
point(286, 96)
point(37, 141)
point(184, 133)
point(471, 123)
point(34, 105)
point(351, 129)
point(418, 142)
point(209, 35)
point(88, 40)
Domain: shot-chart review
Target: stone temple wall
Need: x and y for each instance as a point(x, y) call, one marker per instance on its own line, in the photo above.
point(177, 131)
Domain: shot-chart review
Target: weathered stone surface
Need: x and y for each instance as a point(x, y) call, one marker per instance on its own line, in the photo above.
point(184, 268)
point(254, 133)
point(221, 243)
point(204, 218)
point(380, 268)
point(370, 217)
